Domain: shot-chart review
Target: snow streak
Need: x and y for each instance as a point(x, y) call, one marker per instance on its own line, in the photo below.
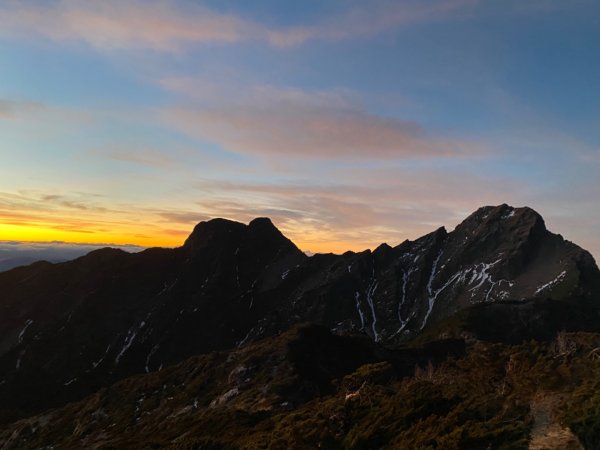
point(405, 278)
point(19, 359)
point(22, 333)
point(152, 352)
point(128, 341)
point(550, 284)
point(362, 317)
point(370, 292)
point(97, 363)
point(430, 293)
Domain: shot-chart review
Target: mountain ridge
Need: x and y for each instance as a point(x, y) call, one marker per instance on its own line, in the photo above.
point(68, 329)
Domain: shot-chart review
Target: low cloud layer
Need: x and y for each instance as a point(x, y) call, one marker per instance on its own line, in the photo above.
point(17, 253)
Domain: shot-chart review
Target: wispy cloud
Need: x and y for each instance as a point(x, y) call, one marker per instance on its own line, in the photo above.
point(373, 18)
point(11, 109)
point(378, 205)
point(268, 120)
point(77, 217)
point(117, 25)
point(150, 157)
point(82, 217)
point(171, 25)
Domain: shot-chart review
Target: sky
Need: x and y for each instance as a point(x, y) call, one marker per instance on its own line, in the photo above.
point(349, 123)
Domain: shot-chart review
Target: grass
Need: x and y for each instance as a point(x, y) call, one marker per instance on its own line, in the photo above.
point(479, 401)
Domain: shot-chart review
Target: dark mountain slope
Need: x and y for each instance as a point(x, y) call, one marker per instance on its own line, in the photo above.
point(496, 254)
point(212, 392)
point(308, 388)
point(68, 329)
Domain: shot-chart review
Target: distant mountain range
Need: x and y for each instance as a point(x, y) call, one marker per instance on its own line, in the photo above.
point(72, 329)
point(16, 253)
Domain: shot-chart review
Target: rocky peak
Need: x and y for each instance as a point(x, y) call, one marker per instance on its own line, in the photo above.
point(265, 224)
point(225, 235)
point(490, 220)
point(262, 232)
point(215, 232)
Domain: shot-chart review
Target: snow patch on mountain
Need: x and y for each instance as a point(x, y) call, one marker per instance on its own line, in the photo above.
point(551, 284)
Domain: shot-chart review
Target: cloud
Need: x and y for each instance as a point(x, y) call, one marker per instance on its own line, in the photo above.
point(183, 217)
point(349, 209)
point(271, 121)
point(18, 253)
point(377, 205)
point(377, 17)
point(10, 109)
point(35, 215)
point(143, 156)
point(117, 25)
point(171, 25)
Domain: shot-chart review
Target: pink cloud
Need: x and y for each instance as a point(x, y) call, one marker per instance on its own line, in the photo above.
point(167, 26)
point(291, 122)
point(10, 109)
point(376, 206)
point(123, 24)
point(374, 18)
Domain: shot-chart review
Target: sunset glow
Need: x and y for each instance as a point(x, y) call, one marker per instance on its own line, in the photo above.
point(347, 123)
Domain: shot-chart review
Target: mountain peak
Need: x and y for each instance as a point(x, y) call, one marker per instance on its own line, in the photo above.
point(262, 222)
point(233, 283)
point(212, 232)
point(488, 214)
point(263, 227)
point(228, 235)
point(502, 222)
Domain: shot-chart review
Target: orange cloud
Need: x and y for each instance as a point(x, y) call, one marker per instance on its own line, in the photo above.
point(378, 205)
point(386, 204)
point(328, 215)
point(80, 218)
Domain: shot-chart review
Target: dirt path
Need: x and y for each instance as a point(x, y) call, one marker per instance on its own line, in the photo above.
point(547, 432)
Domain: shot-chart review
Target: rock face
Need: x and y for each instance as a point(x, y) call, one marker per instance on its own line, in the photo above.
point(496, 254)
point(68, 329)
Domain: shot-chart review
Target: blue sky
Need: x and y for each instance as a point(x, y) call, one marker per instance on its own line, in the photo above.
point(348, 122)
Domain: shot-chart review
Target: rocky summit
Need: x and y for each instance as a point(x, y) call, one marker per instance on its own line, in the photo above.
point(72, 329)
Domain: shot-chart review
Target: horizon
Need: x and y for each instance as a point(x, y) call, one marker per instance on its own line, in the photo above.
point(64, 251)
point(349, 124)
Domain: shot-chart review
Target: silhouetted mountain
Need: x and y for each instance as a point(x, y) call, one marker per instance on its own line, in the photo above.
point(15, 253)
point(69, 329)
point(10, 263)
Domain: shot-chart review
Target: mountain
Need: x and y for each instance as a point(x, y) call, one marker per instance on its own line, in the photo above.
point(14, 254)
point(9, 263)
point(275, 376)
point(68, 330)
point(308, 388)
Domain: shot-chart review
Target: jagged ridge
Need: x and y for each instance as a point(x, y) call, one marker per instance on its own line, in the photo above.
point(68, 329)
